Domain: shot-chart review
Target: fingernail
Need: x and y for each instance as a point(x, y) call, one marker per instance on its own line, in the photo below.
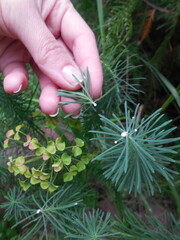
point(19, 89)
point(55, 114)
point(68, 72)
point(76, 116)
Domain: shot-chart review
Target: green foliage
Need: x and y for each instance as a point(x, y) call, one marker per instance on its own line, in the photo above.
point(2, 174)
point(18, 108)
point(164, 81)
point(136, 151)
point(6, 232)
point(120, 23)
point(93, 225)
point(43, 211)
point(132, 226)
point(15, 204)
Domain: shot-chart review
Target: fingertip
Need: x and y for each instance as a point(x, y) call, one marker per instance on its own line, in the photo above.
point(49, 105)
point(49, 101)
point(15, 82)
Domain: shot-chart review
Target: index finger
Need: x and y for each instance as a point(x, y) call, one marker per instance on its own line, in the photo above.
point(80, 39)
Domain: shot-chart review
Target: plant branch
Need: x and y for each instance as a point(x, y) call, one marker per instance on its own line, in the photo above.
point(165, 10)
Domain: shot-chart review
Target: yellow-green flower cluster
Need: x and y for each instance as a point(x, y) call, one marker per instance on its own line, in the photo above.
point(43, 162)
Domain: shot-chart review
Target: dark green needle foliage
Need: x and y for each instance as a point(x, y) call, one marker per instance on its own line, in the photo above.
point(134, 152)
point(2, 174)
point(132, 226)
point(15, 109)
point(15, 204)
point(120, 22)
point(94, 225)
point(120, 86)
point(45, 211)
point(6, 232)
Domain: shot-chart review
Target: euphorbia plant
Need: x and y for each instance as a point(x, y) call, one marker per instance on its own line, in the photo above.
point(44, 162)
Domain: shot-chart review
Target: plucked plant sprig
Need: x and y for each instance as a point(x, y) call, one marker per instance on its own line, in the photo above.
point(136, 151)
point(94, 225)
point(81, 97)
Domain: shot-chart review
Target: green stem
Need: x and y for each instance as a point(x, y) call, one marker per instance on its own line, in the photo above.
point(51, 176)
point(101, 22)
point(28, 156)
point(55, 176)
point(169, 100)
point(119, 203)
point(70, 147)
point(22, 133)
point(32, 99)
point(12, 139)
point(42, 166)
point(146, 203)
point(33, 159)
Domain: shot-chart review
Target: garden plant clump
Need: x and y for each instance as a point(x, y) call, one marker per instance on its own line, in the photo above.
point(112, 173)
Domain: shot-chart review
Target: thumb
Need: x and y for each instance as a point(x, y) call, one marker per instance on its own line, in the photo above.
point(51, 56)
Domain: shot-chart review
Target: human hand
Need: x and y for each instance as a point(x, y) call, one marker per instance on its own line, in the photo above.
point(55, 40)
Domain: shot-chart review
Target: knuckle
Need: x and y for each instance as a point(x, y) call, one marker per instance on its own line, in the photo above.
point(48, 51)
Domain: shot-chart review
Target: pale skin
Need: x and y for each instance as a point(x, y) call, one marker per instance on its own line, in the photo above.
point(55, 40)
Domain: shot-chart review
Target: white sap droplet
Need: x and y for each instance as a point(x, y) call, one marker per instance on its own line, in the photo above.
point(95, 104)
point(124, 134)
point(75, 204)
point(135, 129)
point(133, 117)
point(38, 211)
point(115, 142)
